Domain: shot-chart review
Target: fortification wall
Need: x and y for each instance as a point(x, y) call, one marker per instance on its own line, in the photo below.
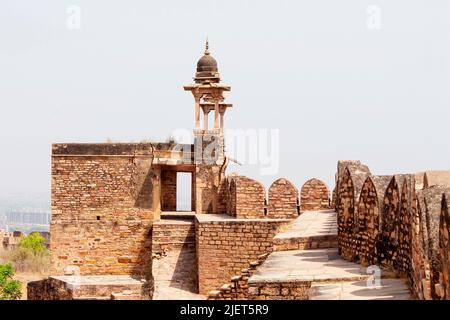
point(444, 245)
point(247, 198)
point(101, 209)
point(314, 195)
point(282, 200)
point(395, 226)
point(225, 246)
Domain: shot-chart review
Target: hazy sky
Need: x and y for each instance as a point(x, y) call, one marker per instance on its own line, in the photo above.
point(335, 88)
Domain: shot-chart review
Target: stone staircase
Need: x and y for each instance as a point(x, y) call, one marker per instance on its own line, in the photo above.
point(313, 230)
point(306, 266)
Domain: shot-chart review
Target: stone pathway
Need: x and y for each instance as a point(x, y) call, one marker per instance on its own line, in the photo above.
point(312, 224)
point(166, 292)
point(312, 230)
point(330, 276)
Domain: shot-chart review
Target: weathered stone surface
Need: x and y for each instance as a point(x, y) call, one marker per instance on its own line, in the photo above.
point(431, 204)
point(174, 257)
point(247, 197)
point(314, 195)
point(436, 178)
point(350, 185)
point(369, 208)
point(87, 288)
point(283, 200)
point(225, 246)
point(444, 247)
point(168, 190)
point(101, 215)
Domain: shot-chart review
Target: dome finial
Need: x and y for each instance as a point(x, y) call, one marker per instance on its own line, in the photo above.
point(207, 46)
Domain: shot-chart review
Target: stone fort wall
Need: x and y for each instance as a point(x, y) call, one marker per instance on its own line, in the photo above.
point(101, 210)
point(226, 246)
point(396, 222)
point(105, 220)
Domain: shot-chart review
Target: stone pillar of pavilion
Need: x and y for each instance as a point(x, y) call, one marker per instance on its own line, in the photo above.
point(208, 139)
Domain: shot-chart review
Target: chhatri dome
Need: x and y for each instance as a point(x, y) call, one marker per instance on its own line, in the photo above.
point(207, 70)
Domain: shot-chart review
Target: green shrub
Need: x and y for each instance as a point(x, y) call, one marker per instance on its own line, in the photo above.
point(30, 255)
point(10, 289)
point(34, 242)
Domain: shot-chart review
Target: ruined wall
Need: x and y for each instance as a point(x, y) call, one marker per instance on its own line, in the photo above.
point(282, 200)
point(207, 179)
point(247, 198)
point(408, 208)
point(422, 253)
point(224, 196)
point(168, 190)
point(209, 171)
point(350, 186)
point(49, 289)
point(444, 247)
point(174, 256)
point(314, 195)
point(101, 209)
point(10, 240)
point(295, 290)
point(432, 199)
point(397, 227)
point(369, 208)
point(436, 178)
point(225, 246)
point(388, 246)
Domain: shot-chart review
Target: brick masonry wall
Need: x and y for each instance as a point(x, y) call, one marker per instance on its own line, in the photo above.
point(444, 245)
point(368, 223)
point(224, 196)
point(407, 211)
point(346, 215)
point(314, 195)
point(413, 238)
point(388, 246)
point(174, 256)
point(224, 247)
point(295, 290)
point(249, 198)
point(423, 283)
point(101, 214)
point(282, 200)
point(418, 273)
point(432, 201)
point(168, 190)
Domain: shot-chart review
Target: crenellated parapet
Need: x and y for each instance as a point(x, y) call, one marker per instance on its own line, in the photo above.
point(400, 223)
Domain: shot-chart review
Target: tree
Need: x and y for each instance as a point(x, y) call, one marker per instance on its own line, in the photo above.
point(10, 289)
point(34, 242)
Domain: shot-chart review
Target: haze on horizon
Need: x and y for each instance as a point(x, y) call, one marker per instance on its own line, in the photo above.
point(334, 88)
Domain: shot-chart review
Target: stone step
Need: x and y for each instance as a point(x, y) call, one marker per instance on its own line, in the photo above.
point(305, 243)
point(311, 230)
point(320, 274)
point(390, 289)
point(178, 215)
point(91, 298)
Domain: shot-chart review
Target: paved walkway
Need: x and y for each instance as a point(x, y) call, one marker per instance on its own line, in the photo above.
point(331, 276)
point(312, 224)
point(312, 230)
point(166, 292)
point(308, 265)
